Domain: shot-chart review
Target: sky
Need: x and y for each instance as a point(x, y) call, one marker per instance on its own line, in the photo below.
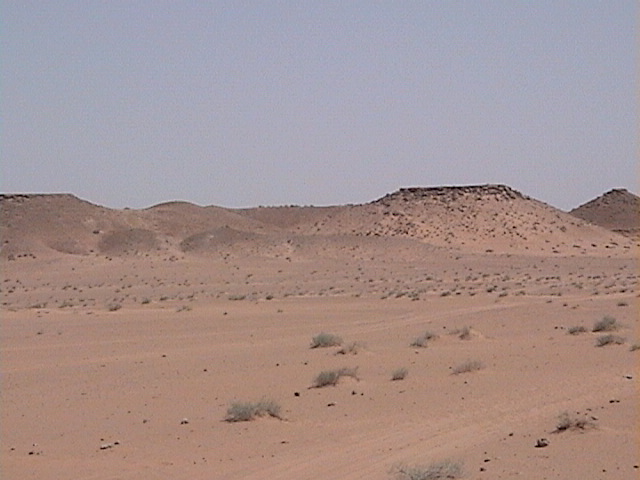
point(247, 103)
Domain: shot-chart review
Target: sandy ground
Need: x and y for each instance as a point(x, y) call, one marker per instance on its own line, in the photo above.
point(143, 357)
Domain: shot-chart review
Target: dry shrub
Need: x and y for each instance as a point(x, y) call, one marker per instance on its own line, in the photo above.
point(577, 330)
point(609, 339)
point(468, 366)
point(332, 377)
point(566, 421)
point(246, 411)
point(351, 349)
point(325, 340)
point(447, 469)
point(607, 324)
point(399, 374)
point(423, 339)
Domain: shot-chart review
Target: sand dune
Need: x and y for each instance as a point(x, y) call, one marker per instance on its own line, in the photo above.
point(127, 335)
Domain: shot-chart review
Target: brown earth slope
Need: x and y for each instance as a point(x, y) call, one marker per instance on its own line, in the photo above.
point(481, 219)
point(617, 210)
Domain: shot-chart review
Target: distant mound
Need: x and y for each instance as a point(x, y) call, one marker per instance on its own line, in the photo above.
point(617, 210)
point(474, 219)
point(128, 241)
point(477, 218)
point(212, 240)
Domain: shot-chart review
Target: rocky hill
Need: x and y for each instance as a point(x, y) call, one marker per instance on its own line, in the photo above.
point(617, 210)
point(475, 219)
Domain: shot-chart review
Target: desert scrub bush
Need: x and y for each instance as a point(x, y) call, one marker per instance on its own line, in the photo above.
point(634, 347)
point(447, 469)
point(332, 377)
point(468, 366)
point(423, 339)
point(576, 330)
point(463, 333)
point(609, 340)
point(566, 421)
point(246, 411)
point(350, 349)
point(325, 340)
point(607, 324)
point(399, 374)
point(114, 307)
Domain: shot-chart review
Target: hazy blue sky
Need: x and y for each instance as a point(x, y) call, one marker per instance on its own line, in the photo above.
point(131, 103)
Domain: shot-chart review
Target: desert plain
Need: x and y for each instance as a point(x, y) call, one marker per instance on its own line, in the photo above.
point(481, 330)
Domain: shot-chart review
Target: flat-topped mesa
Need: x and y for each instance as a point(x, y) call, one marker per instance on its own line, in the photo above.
point(24, 196)
point(452, 193)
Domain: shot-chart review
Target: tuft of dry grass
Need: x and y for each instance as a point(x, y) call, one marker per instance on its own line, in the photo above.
point(246, 411)
point(576, 330)
point(609, 339)
point(323, 340)
point(468, 366)
point(423, 339)
point(567, 421)
point(607, 324)
point(351, 349)
point(399, 374)
point(464, 333)
point(332, 377)
point(447, 469)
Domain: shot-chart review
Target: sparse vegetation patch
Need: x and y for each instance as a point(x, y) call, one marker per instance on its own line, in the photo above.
point(567, 421)
point(577, 330)
point(323, 340)
point(350, 349)
point(468, 366)
point(423, 339)
point(607, 324)
point(246, 411)
point(447, 469)
point(464, 333)
point(332, 377)
point(609, 339)
point(399, 374)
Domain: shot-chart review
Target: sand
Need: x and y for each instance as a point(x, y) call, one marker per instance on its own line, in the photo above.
point(123, 366)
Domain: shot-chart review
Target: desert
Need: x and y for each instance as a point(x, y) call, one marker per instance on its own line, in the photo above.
point(443, 332)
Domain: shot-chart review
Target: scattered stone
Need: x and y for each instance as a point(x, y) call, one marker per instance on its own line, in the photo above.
point(296, 394)
point(542, 442)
